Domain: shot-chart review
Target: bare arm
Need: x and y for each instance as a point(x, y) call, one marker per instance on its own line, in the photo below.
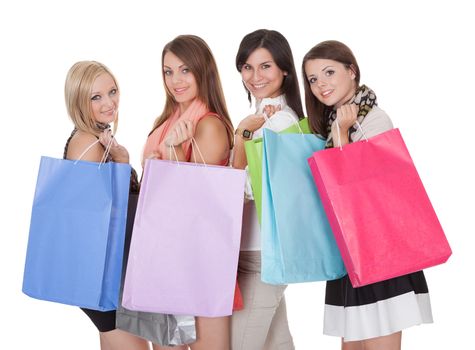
point(210, 135)
point(212, 139)
point(81, 141)
point(252, 123)
point(239, 153)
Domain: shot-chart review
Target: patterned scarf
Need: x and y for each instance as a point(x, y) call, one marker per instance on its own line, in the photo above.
point(365, 98)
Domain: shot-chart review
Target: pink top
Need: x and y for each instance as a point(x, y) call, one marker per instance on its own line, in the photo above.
point(156, 141)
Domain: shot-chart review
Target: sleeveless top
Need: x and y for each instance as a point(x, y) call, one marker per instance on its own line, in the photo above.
point(156, 139)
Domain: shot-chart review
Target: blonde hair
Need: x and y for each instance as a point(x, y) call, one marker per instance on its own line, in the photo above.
point(77, 93)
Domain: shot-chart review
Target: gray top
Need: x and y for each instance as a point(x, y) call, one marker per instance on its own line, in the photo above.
point(375, 122)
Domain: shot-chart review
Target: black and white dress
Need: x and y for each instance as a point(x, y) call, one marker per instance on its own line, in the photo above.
point(380, 308)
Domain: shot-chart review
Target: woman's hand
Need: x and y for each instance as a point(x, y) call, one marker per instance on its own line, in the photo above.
point(252, 122)
point(346, 116)
point(118, 152)
point(345, 119)
point(270, 110)
point(153, 155)
point(183, 131)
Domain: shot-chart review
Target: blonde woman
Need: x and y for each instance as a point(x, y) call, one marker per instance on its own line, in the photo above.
point(92, 101)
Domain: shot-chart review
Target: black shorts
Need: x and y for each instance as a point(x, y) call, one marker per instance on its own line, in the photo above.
point(103, 320)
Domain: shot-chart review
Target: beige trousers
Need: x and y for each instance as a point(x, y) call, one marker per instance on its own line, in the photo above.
point(262, 324)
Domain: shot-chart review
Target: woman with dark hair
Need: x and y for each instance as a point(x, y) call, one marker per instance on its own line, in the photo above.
point(194, 107)
point(372, 316)
point(267, 69)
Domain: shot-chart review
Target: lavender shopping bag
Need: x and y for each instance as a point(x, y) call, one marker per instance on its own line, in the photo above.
point(185, 242)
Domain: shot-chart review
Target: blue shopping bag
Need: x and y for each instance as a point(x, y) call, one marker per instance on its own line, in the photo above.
point(297, 242)
point(77, 233)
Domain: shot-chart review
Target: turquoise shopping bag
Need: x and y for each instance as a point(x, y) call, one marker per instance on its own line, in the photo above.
point(77, 232)
point(297, 242)
point(254, 160)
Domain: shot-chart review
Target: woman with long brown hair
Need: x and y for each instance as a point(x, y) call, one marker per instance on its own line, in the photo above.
point(194, 107)
point(372, 316)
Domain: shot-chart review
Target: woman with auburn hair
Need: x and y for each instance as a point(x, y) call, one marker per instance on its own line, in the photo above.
point(265, 62)
point(372, 316)
point(194, 107)
point(92, 101)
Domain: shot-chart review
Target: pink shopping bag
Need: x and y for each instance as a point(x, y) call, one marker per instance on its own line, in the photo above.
point(378, 209)
point(185, 242)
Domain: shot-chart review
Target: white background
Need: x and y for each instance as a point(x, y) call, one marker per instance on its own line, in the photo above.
point(418, 57)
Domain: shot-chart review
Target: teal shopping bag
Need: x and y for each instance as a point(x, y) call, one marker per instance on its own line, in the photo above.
point(77, 232)
point(253, 150)
point(297, 242)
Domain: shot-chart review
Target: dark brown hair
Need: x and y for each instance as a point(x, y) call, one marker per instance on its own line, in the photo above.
point(279, 48)
point(331, 50)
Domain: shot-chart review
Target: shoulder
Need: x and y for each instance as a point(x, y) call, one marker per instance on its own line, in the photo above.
point(211, 124)
point(376, 122)
point(212, 137)
point(80, 142)
point(378, 114)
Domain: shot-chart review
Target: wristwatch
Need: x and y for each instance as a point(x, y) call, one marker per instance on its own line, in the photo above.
point(244, 133)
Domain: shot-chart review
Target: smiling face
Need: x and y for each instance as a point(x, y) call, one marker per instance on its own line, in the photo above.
point(261, 75)
point(331, 82)
point(104, 99)
point(179, 80)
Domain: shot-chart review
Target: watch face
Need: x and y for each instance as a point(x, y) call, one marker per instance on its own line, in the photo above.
point(246, 134)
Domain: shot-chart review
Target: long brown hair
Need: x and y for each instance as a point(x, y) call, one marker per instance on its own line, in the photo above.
point(197, 56)
point(331, 50)
point(279, 48)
